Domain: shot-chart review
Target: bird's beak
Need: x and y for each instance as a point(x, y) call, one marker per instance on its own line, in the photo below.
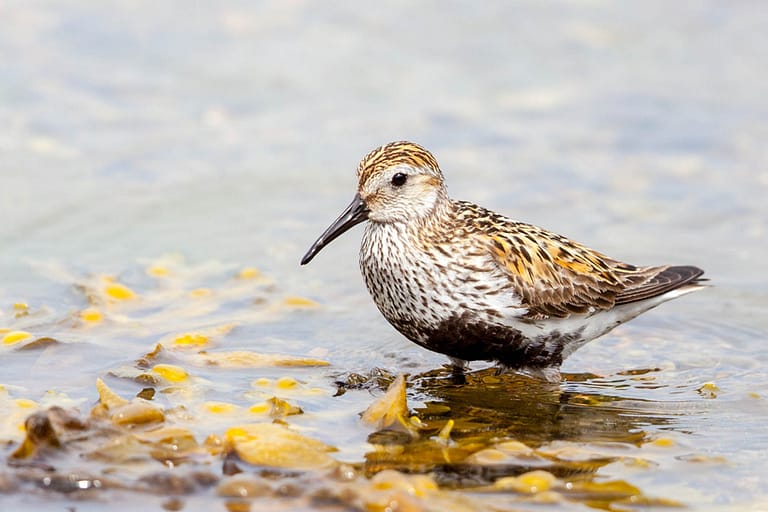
point(355, 213)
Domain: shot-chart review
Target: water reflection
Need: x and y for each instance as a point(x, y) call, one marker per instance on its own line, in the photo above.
point(509, 424)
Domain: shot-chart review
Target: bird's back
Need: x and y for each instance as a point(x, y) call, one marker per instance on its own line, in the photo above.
point(557, 277)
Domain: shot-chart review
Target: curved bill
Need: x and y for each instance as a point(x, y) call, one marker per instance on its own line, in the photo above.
point(355, 213)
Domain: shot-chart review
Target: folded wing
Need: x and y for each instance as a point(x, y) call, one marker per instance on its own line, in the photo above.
point(556, 277)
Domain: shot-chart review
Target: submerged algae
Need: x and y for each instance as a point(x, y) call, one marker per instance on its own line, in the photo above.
point(184, 413)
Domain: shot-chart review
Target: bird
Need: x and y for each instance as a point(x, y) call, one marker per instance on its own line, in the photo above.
point(472, 284)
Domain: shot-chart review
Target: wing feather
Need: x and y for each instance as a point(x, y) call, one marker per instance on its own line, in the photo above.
point(665, 280)
point(556, 277)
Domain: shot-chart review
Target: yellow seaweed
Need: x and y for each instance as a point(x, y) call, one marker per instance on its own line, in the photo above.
point(20, 309)
point(488, 456)
point(709, 390)
point(165, 444)
point(386, 410)
point(247, 359)
point(514, 448)
point(157, 271)
point(42, 434)
point(444, 435)
point(570, 452)
point(391, 490)
point(25, 403)
point(612, 489)
point(528, 483)
point(178, 439)
point(196, 338)
point(300, 302)
point(286, 383)
point(13, 337)
point(664, 442)
point(123, 412)
point(248, 273)
point(243, 486)
point(171, 372)
point(274, 445)
point(91, 315)
point(136, 413)
point(415, 485)
point(276, 408)
point(199, 293)
point(220, 407)
point(119, 291)
point(108, 398)
point(14, 412)
point(192, 338)
point(120, 449)
point(282, 408)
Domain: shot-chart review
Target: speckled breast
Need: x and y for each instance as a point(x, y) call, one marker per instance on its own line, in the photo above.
point(459, 307)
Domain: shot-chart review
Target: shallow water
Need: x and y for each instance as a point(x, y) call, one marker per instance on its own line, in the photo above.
point(229, 134)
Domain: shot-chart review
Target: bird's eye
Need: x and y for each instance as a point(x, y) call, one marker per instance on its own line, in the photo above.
point(398, 179)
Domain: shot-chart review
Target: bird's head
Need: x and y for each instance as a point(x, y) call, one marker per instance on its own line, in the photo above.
point(399, 182)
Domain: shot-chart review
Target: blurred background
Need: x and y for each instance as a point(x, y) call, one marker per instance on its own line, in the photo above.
point(231, 131)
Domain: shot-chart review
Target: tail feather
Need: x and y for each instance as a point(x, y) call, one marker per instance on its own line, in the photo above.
point(666, 280)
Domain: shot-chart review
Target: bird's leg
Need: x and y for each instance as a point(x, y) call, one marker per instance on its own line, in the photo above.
point(458, 367)
point(549, 374)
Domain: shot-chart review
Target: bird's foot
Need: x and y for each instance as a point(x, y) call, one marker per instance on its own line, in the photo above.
point(458, 371)
point(546, 373)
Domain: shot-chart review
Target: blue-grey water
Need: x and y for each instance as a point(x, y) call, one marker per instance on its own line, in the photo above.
point(228, 133)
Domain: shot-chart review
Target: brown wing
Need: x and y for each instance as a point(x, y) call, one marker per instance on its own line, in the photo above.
point(556, 277)
point(666, 279)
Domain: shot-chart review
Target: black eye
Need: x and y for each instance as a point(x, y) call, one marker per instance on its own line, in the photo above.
point(399, 179)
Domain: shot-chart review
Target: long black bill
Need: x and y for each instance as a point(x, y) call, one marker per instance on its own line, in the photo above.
point(355, 213)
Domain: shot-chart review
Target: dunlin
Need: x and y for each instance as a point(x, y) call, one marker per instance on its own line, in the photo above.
point(469, 283)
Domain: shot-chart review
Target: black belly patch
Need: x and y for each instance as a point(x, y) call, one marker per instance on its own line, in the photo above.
point(464, 337)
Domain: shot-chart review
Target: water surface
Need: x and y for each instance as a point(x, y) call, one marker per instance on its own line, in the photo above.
point(213, 138)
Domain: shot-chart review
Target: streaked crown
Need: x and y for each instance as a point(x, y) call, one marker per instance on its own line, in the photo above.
point(397, 153)
point(400, 181)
